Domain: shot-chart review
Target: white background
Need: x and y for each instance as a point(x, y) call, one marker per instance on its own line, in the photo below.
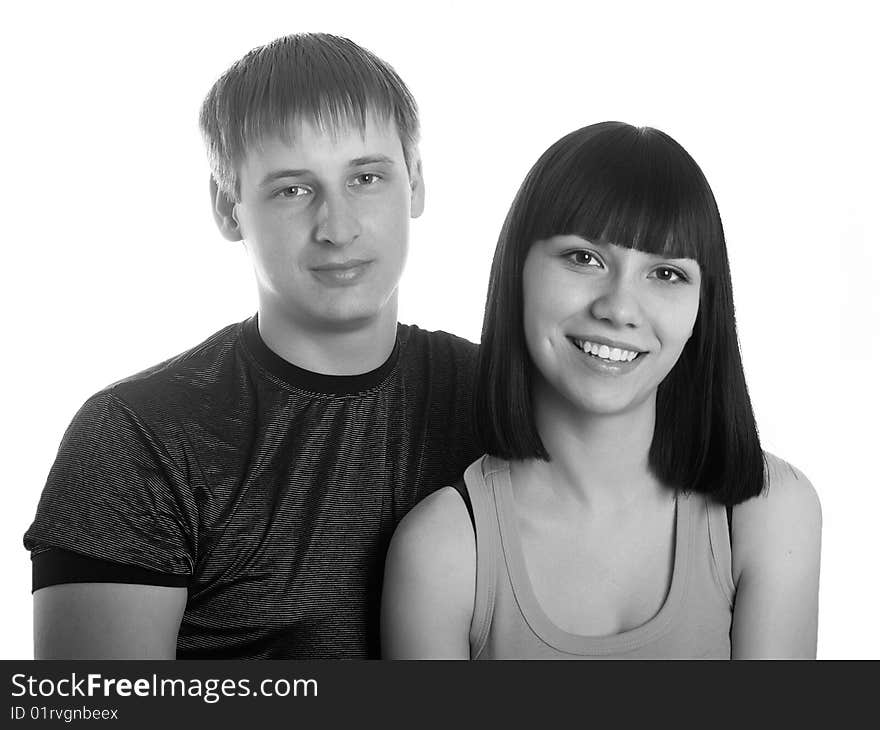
point(111, 262)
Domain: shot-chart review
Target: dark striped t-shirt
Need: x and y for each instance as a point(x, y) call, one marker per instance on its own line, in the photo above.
point(270, 490)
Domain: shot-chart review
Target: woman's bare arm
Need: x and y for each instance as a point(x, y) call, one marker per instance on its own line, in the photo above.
point(428, 595)
point(776, 549)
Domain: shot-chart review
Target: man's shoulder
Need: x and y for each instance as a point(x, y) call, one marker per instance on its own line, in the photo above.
point(200, 369)
point(419, 342)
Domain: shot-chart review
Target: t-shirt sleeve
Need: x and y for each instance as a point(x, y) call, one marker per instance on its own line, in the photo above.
point(54, 566)
point(115, 493)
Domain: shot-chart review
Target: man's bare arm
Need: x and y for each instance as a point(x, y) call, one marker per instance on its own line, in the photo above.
point(107, 621)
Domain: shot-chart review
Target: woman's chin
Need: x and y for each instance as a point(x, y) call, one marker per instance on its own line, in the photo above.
point(598, 404)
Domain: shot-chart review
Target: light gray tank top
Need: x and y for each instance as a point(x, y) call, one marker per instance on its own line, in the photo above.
point(509, 623)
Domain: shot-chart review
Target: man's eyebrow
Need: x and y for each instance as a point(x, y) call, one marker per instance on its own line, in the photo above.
point(370, 160)
point(279, 174)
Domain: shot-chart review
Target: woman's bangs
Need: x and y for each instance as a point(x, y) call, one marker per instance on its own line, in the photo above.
point(645, 218)
point(631, 188)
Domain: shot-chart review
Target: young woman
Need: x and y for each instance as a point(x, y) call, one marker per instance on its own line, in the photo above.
point(624, 508)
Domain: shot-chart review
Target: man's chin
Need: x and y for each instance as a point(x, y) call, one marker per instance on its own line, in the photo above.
point(352, 312)
point(348, 322)
point(355, 318)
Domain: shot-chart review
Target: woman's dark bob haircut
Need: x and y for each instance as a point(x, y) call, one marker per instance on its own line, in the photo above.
point(637, 188)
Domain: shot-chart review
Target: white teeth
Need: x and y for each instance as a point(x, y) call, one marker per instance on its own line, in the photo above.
point(614, 354)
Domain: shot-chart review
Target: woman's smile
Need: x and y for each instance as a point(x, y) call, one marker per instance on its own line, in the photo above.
point(605, 359)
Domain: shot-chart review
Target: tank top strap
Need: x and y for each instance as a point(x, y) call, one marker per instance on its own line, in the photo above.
point(488, 540)
point(720, 547)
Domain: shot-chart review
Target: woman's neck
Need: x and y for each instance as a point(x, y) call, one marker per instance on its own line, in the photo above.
point(598, 460)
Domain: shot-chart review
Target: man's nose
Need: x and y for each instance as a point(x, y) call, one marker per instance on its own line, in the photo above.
point(337, 222)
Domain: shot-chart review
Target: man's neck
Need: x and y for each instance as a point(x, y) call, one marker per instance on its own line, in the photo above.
point(345, 350)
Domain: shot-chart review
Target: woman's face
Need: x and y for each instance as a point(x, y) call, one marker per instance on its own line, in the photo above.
point(604, 324)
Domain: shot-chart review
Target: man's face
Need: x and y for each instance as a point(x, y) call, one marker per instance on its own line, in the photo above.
point(326, 222)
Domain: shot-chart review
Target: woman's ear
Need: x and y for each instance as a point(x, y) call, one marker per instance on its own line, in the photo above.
point(224, 213)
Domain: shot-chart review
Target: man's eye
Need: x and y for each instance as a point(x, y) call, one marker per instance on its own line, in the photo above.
point(293, 191)
point(668, 274)
point(366, 178)
point(583, 258)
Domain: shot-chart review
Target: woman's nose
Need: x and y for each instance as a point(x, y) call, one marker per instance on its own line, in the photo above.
point(618, 304)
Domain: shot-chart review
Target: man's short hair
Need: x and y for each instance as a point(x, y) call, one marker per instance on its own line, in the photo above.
point(323, 79)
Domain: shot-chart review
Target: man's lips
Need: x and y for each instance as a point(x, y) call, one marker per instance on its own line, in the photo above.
point(342, 273)
point(341, 265)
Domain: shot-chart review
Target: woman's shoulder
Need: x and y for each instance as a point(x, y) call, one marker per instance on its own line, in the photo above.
point(436, 537)
point(787, 492)
point(780, 525)
point(444, 519)
point(441, 517)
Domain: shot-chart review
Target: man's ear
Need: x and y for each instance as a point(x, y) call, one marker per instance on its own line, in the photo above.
point(417, 189)
point(224, 213)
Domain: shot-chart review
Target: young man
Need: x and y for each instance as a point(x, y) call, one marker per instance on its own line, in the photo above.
point(237, 500)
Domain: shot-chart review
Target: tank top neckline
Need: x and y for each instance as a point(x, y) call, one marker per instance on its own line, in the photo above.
point(498, 471)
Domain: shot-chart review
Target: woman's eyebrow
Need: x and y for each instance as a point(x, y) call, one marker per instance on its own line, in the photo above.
point(682, 259)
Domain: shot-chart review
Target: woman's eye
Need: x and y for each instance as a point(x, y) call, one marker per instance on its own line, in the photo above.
point(366, 178)
point(665, 273)
point(293, 191)
point(583, 258)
